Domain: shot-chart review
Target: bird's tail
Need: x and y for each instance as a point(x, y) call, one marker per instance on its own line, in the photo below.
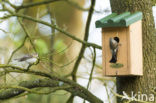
point(113, 59)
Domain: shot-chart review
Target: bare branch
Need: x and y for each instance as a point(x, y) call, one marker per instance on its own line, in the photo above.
point(85, 39)
point(73, 74)
point(92, 69)
point(52, 37)
point(25, 6)
point(27, 34)
point(22, 44)
point(76, 91)
point(88, 44)
point(93, 65)
point(32, 4)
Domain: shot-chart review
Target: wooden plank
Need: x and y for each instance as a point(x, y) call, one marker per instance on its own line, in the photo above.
point(122, 53)
point(135, 48)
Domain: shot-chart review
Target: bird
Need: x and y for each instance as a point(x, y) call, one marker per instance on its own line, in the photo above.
point(114, 43)
point(29, 58)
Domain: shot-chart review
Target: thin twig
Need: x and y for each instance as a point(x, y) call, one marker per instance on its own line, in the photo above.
point(93, 65)
point(60, 66)
point(97, 65)
point(130, 100)
point(62, 31)
point(26, 6)
point(73, 74)
point(92, 69)
point(52, 36)
point(108, 96)
point(31, 42)
point(27, 34)
point(32, 4)
point(12, 54)
point(87, 44)
point(85, 39)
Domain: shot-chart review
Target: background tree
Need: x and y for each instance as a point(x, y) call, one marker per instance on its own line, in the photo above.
point(146, 83)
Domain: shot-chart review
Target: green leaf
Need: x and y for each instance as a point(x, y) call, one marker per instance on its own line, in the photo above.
point(60, 46)
point(41, 46)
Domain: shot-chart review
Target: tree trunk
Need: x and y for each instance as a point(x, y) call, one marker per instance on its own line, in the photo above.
point(69, 21)
point(144, 84)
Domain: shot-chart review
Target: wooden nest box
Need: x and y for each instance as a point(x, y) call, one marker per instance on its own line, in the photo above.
point(127, 28)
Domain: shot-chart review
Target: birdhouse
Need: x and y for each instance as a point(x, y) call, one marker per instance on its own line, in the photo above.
point(122, 40)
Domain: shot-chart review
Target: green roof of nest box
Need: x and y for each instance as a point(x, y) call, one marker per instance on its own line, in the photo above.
point(122, 20)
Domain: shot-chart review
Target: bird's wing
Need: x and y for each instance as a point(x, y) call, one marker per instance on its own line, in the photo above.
point(112, 43)
point(24, 58)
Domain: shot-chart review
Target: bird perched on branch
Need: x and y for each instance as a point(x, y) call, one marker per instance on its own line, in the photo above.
point(30, 59)
point(114, 44)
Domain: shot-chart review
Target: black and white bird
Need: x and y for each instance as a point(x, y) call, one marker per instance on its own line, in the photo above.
point(114, 44)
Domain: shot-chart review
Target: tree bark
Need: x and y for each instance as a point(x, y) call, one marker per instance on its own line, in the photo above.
point(146, 83)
